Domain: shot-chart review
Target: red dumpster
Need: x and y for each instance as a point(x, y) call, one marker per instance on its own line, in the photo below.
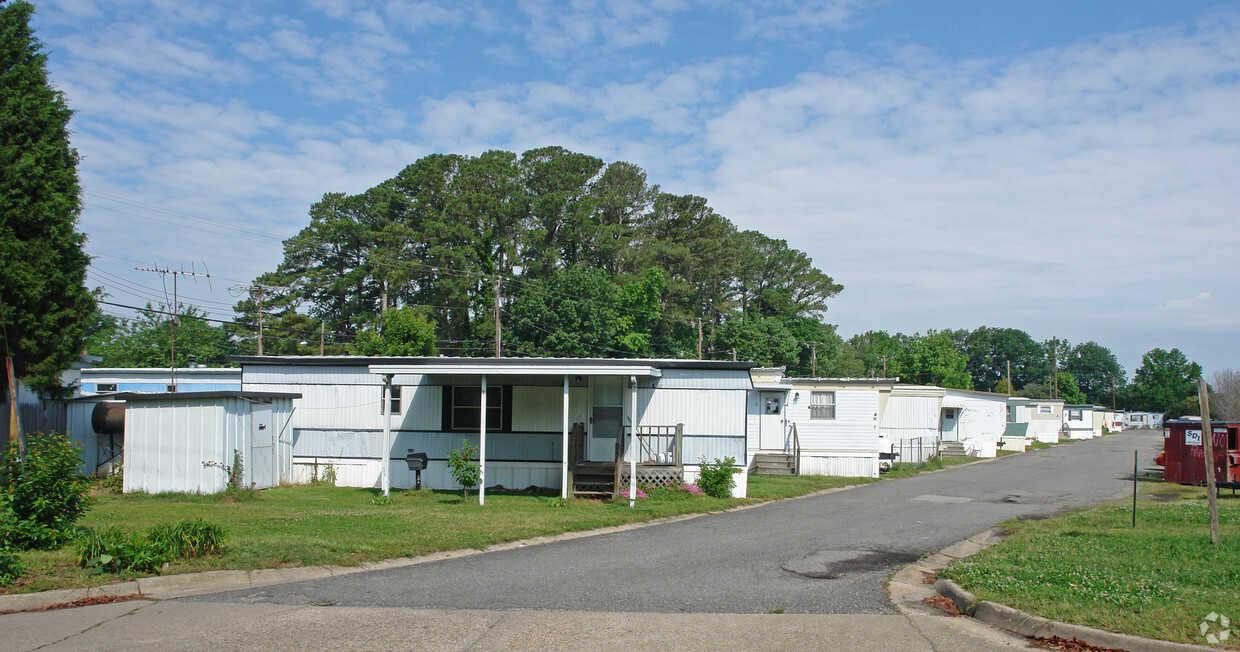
point(1185, 454)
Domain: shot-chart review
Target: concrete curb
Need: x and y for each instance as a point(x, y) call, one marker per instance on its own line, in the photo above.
point(908, 598)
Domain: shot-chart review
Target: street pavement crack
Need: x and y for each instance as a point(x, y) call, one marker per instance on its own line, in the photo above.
point(98, 624)
point(912, 623)
point(489, 629)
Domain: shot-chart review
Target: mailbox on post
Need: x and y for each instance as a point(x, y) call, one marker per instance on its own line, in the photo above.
point(417, 463)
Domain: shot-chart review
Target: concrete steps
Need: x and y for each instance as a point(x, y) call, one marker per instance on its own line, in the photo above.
point(951, 449)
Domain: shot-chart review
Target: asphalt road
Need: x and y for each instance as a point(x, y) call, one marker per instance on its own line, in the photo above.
point(826, 554)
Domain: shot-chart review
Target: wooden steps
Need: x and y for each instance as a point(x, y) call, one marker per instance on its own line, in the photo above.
point(773, 464)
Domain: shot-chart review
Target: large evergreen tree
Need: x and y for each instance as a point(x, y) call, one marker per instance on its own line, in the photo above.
point(44, 304)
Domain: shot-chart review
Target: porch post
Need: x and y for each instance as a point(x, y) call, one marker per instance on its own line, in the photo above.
point(482, 447)
point(386, 453)
point(634, 446)
point(564, 446)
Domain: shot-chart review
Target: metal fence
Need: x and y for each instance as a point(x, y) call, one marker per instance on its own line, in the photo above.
point(914, 451)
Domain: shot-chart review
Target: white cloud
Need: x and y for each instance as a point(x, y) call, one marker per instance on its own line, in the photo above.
point(1181, 306)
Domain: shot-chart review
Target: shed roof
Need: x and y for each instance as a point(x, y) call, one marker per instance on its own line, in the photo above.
point(493, 363)
point(227, 393)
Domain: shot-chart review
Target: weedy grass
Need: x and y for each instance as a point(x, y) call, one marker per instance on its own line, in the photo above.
point(775, 487)
point(1158, 580)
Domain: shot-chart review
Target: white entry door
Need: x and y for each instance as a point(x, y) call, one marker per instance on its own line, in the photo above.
point(606, 418)
point(949, 423)
point(771, 433)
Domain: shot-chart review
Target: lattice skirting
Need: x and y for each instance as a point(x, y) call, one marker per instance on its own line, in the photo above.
point(655, 476)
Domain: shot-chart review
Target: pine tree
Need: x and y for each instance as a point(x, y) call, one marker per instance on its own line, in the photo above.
point(44, 304)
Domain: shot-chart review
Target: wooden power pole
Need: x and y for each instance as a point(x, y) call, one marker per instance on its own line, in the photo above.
point(1207, 443)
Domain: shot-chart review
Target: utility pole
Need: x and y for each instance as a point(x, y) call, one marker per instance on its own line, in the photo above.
point(499, 345)
point(1055, 367)
point(322, 333)
point(1009, 370)
point(1207, 442)
point(699, 325)
point(257, 291)
point(813, 360)
point(884, 359)
point(383, 310)
point(172, 324)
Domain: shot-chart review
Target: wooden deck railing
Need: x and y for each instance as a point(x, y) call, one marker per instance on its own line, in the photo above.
point(656, 445)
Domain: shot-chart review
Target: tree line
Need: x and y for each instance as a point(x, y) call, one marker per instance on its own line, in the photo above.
point(577, 257)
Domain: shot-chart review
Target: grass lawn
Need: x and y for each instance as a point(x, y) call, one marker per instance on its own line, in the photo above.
point(323, 525)
point(1159, 580)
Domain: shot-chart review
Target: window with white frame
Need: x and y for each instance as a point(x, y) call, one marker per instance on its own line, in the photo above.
point(822, 405)
point(1044, 409)
point(105, 387)
point(1075, 415)
point(394, 400)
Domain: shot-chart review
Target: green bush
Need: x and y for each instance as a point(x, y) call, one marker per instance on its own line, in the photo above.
point(715, 478)
point(10, 567)
point(464, 470)
point(44, 496)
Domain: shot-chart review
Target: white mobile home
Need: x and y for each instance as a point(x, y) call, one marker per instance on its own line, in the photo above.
point(1143, 419)
point(549, 423)
point(975, 419)
point(909, 425)
point(1079, 423)
point(830, 426)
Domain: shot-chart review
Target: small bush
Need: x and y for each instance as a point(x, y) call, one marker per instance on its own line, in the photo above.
point(234, 471)
point(10, 567)
point(44, 495)
point(114, 482)
point(464, 470)
point(715, 478)
point(188, 539)
point(117, 550)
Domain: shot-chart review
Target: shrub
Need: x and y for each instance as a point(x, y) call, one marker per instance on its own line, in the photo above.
point(114, 482)
point(44, 496)
point(234, 471)
point(464, 470)
point(715, 478)
point(10, 567)
point(117, 550)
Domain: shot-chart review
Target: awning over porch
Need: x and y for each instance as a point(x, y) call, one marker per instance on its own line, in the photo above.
point(510, 367)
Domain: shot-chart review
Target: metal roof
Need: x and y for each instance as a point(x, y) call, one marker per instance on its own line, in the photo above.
point(227, 393)
point(429, 361)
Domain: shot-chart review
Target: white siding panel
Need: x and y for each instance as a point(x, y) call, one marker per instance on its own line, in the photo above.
point(702, 379)
point(849, 466)
point(704, 412)
point(911, 417)
point(541, 409)
point(983, 419)
point(712, 448)
point(308, 375)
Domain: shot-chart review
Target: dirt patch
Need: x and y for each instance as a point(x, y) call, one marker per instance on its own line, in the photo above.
point(944, 604)
point(84, 602)
point(1059, 643)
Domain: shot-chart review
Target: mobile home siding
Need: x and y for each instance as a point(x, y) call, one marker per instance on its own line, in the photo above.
point(911, 417)
point(854, 428)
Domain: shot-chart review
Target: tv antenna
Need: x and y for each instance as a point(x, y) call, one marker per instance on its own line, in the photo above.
point(165, 272)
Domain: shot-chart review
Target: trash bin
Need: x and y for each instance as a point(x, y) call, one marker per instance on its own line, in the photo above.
point(1185, 452)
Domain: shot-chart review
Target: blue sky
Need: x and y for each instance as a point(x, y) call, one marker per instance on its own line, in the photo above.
point(1055, 166)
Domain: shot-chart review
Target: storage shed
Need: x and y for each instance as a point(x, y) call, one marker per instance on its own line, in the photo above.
point(909, 427)
point(179, 442)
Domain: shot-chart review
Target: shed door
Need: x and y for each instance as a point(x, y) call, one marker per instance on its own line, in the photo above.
point(771, 421)
point(262, 462)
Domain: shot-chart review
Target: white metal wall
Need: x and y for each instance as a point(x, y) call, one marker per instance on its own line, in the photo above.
point(166, 443)
point(843, 463)
point(911, 417)
point(704, 412)
point(983, 418)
